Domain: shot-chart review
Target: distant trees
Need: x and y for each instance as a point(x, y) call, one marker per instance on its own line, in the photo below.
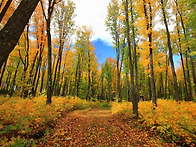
point(108, 71)
point(86, 63)
point(45, 60)
point(135, 21)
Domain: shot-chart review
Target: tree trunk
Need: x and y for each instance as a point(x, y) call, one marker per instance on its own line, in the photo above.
point(49, 81)
point(48, 18)
point(149, 29)
point(181, 57)
point(14, 80)
point(128, 88)
point(55, 74)
point(42, 79)
point(191, 58)
point(8, 79)
point(57, 89)
point(2, 72)
point(11, 32)
point(166, 74)
point(133, 94)
point(30, 75)
point(38, 66)
point(190, 98)
point(64, 86)
point(109, 92)
point(118, 66)
point(25, 61)
point(77, 77)
point(36, 84)
point(89, 77)
point(135, 52)
point(170, 53)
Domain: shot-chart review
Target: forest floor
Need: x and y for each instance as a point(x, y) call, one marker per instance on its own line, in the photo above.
point(98, 127)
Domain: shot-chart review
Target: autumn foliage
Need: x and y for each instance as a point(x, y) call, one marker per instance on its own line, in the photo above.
point(30, 118)
point(155, 58)
point(174, 121)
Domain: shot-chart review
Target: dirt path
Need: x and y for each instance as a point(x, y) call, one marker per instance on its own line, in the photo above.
point(98, 127)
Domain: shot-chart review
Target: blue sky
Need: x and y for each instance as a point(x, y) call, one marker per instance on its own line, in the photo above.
point(103, 50)
point(93, 13)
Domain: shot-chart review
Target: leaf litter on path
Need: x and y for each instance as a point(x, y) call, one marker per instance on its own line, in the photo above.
point(98, 127)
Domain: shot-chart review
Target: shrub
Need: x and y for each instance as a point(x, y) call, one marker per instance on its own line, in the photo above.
point(175, 122)
point(26, 117)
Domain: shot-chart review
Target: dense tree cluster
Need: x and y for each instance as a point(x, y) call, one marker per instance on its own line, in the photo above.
point(147, 37)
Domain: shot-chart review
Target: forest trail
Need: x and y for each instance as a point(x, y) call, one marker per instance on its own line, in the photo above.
point(98, 127)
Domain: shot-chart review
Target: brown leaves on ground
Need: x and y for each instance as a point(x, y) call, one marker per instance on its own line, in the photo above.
point(97, 127)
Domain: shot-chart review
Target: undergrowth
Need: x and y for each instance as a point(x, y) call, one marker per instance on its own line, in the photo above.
point(22, 121)
point(173, 121)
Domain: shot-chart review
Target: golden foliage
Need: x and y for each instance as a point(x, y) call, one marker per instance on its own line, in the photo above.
point(172, 120)
point(27, 116)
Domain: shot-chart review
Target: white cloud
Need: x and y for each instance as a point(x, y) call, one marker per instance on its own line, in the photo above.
point(93, 13)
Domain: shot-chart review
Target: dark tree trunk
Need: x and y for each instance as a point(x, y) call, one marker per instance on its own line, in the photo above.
point(128, 88)
point(149, 89)
point(93, 89)
point(14, 80)
point(48, 18)
point(55, 74)
point(36, 84)
point(64, 86)
point(89, 77)
point(57, 89)
point(191, 58)
point(38, 66)
point(135, 52)
point(49, 81)
point(30, 75)
point(161, 86)
point(118, 65)
point(149, 29)
point(190, 98)
point(133, 94)
point(8, 79)
point(25, 61)
point(184, 74)
point(177, 96)
point(166, 76)
point(102, 87)
point(42, 79)
point(77, 77)
point(58, 69)
point(2, 72)
point(11, 32)
point(188, 91)
point(109, 92)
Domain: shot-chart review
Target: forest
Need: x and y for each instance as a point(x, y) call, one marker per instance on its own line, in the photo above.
point(54, 92)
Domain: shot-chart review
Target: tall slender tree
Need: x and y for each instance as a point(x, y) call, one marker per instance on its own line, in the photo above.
point(170, 50)
point(48, 18)
point(114, 24)
point(133, 92)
